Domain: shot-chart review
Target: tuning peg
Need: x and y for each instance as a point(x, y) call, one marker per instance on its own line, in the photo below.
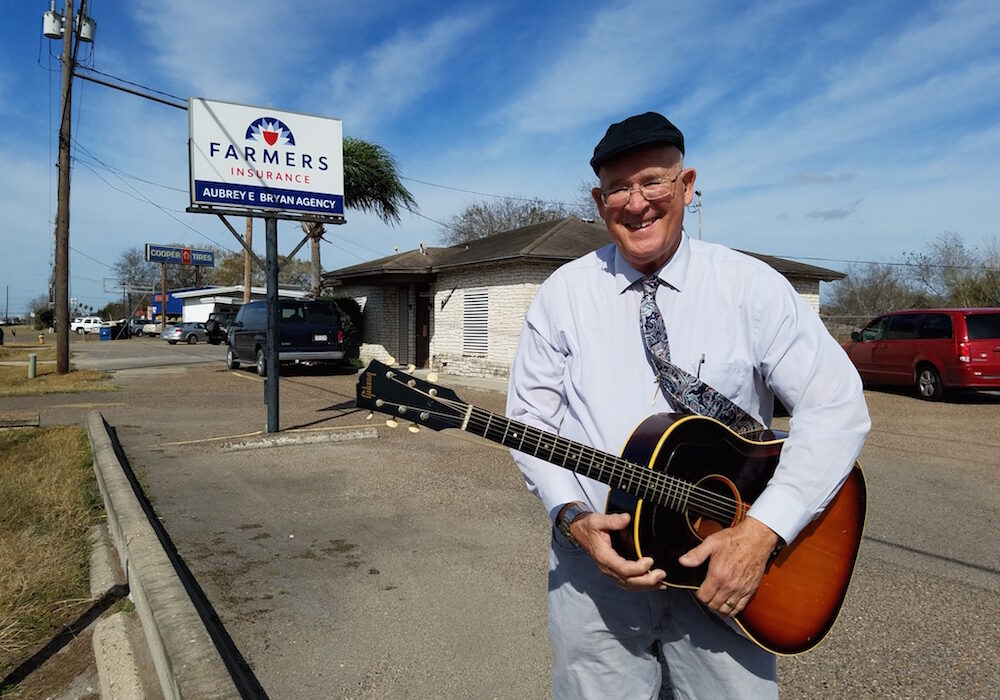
point(392, 423)
point(432, 377)
point(369, 416)
point(390, 360)
point(410, 368)
point(414, 429)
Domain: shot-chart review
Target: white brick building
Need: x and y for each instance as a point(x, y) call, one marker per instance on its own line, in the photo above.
point(461, 309)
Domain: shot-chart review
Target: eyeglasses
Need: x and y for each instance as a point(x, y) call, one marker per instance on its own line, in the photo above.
point(652, 191)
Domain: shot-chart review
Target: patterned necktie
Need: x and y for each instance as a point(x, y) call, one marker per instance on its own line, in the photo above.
point(688, 393)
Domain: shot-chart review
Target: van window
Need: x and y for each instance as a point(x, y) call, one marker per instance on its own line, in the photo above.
point(936, 326)
point(873, 331)
point(904, 327)
point(256, 316)
point(292, 314)
point(321, 314)
point(983, 326)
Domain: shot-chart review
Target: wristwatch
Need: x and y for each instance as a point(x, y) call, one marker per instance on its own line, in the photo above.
point(563, 521)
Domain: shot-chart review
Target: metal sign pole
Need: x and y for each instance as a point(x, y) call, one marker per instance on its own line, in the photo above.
point(273, 327)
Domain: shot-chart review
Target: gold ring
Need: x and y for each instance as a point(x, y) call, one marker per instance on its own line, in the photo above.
point(621, 582)
point(731, 603)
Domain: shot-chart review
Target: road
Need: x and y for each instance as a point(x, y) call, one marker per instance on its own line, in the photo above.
point(413, 565)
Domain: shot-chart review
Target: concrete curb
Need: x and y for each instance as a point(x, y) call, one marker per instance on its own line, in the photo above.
point(301, 439)
point(187, 663)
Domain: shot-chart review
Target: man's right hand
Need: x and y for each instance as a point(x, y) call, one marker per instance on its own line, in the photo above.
point(593, 532)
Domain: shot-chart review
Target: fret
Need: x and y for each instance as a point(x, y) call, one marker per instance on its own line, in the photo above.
point(503, 438)
point(538, 440)
point(593, 453)
point(486, 430)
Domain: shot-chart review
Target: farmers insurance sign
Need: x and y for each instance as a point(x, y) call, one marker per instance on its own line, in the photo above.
point(255, 158)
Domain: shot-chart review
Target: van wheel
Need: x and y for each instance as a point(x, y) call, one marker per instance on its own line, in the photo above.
point(261, 363)
point(929, 385)
point(80, 331)
point(231, 361)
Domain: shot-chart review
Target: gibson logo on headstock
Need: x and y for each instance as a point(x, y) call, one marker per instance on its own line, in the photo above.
point(366, 389)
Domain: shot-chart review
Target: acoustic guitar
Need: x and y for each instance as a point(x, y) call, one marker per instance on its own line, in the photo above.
point(681, 477)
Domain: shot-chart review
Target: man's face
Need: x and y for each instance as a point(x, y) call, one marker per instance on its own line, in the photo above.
point(646, 233)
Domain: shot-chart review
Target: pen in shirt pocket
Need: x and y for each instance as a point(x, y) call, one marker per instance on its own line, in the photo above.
point(700, 363)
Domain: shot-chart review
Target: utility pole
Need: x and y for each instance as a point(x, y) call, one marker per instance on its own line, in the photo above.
point(55, 26)
point(698, 192)
point(247, 276)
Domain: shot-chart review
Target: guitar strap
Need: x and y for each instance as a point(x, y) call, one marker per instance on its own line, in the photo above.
point(688, 393)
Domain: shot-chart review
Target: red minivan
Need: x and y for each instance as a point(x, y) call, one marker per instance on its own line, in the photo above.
point(931, 349)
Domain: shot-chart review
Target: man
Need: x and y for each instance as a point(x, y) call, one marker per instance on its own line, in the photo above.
point(584, 369)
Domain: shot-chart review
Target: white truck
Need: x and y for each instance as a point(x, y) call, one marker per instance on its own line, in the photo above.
point(86, 324)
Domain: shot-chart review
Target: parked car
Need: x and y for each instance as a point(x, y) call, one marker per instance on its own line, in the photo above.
point(151, 328)
point(137, 325)
point(189, 333)
point(218, 325)
point(931, 349)
point(86, 324)
point(309, 333)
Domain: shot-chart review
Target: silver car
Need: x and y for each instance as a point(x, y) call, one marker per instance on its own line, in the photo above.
point(189, 333)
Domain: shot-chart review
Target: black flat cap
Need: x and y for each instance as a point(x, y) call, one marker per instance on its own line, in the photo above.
point(640, 130)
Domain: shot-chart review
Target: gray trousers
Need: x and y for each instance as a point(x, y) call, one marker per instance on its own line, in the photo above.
point(611, 643)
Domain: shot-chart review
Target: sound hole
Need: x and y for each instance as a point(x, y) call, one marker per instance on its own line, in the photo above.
point(713, 509)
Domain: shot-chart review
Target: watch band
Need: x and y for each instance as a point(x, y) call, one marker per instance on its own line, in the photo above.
point(564, 520)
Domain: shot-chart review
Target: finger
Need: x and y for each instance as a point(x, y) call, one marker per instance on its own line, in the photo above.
point(698, 555)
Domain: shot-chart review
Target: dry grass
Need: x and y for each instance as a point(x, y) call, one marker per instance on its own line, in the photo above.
point(14, 379)
point(48, 501)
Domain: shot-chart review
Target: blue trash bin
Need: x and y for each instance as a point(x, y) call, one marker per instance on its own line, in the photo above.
point(105, 333)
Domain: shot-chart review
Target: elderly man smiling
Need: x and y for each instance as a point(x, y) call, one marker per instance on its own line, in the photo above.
point(656, 322)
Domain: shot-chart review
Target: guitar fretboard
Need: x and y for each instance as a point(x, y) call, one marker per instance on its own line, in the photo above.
point(637, 480)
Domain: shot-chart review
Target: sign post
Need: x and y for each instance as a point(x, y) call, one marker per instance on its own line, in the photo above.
point(256, 161)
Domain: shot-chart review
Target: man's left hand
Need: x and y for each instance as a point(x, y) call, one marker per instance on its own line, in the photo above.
point(737, 558)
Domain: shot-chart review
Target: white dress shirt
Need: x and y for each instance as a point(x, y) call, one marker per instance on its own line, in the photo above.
point(581, 370)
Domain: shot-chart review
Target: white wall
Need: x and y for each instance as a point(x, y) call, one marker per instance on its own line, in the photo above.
point(511, 288)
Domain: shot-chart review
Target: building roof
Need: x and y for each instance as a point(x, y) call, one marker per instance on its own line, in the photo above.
point(552, 241)
point(232, 290)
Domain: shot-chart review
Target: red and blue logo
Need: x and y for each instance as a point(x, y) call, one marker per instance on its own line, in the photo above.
point(271, 131)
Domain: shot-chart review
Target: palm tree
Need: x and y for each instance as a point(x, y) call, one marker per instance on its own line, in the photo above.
point(371, 184)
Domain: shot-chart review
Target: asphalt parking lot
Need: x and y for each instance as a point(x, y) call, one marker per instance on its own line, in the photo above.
point(413, 565)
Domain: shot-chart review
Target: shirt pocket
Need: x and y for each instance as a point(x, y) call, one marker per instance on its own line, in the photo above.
point(731, 379)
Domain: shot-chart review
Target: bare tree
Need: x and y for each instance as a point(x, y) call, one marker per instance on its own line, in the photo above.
point(489, 217)
point(869, 290)
point(953, 274)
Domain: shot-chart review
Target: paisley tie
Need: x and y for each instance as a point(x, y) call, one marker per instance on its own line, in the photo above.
point(687, 393)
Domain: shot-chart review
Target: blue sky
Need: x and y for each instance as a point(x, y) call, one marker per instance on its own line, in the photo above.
point(821, 131)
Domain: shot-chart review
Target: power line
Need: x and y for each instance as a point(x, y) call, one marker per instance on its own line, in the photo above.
point(892, 264)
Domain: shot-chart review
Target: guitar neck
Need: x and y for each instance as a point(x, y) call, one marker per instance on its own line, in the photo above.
point(606, 468)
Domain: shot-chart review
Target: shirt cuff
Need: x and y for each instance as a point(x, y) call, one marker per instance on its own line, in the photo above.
point(779, 508)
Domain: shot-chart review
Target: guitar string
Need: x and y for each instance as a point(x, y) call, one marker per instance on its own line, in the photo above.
point(662, 488)
point(666, 490)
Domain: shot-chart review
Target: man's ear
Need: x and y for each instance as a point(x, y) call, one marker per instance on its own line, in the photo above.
point(688, 179)
point(596, 194)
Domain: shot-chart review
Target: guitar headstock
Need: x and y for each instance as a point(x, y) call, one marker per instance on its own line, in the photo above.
point(398, 394)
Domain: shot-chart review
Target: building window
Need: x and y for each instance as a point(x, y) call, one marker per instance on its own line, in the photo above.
point(475, 322)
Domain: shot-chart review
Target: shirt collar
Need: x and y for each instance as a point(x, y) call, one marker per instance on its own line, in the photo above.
point(673, 273)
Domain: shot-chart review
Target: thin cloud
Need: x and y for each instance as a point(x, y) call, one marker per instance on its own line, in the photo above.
point(835, 214)
point(399, 71)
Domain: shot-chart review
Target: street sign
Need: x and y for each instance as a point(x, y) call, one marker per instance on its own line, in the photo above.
point(172, 255)
point(264, 162)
